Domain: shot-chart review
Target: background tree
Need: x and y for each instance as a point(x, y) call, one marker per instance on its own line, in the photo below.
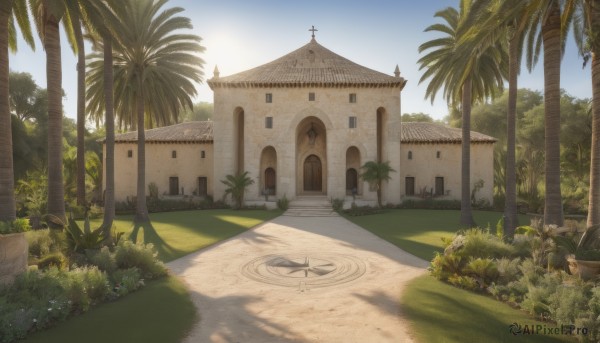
point(466, 75)
point(202, 111)
point(377, 173)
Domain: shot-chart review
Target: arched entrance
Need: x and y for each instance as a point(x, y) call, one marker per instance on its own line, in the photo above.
point(311, 157)
point(313, 174)
point(268, 170)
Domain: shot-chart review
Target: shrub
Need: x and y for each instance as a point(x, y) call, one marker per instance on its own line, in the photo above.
point(362, 210)
point(127, 280)
point(478, 243)
point(88, 286)
point(283, 203)
point(45, 241)
point(337, 204)
point(142, 256)
point(508, 270)
point(537, 299)
point(56, 259)
point(483, 271)
point(445, 265)
point(430, 204)
point(16, 226)
point(569, 301)
point(465, 282)
point(103, 259)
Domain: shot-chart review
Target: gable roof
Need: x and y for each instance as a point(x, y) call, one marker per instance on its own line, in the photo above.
point(419, 132)
point(188, 132)
point(312, 65)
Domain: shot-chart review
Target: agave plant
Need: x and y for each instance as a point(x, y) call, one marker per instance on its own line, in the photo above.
point(588, 246)
point(79, 239)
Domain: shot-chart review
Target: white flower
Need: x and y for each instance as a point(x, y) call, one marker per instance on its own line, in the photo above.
point(34, 320)
point(49, 309)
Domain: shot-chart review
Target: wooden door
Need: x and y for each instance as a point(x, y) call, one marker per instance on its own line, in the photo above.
point(351, 180)
point(202, 186)
point(270, 183)
point(312, 174)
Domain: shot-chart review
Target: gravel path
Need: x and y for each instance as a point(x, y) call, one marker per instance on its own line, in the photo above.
point(299, 279)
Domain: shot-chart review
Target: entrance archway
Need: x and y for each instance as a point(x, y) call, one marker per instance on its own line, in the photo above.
point(311, 157)
point(313, 173)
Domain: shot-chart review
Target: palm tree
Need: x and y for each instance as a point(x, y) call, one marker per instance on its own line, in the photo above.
point(551, 20)
point(9, 11)
point(466, 75)
point(48, 15)
point(505, 21)
point(236, 186)
point(154, 72)
point(376, 173)
point(587, 37)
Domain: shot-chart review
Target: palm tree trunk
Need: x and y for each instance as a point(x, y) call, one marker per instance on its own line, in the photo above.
point(466, 214)
point(7, 182)
point(109, 122)
point(594, 195)
point(56, 199)
point(80, 113)
point(553, 211)
point(510, 209)
point(141, 212)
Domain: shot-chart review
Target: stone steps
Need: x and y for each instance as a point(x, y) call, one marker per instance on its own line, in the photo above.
point(310, 206)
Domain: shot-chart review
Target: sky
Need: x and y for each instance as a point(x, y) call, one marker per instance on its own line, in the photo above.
point(378, 34)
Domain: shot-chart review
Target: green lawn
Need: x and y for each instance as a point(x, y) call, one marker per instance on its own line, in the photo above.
point(439, 312)
point(162, 311)
point(443, 313)
point(419, 231)
point(176, 234)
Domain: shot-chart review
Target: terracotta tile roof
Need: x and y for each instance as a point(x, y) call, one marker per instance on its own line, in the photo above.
point(188, 132)
point(437, 133)
point(312, 65)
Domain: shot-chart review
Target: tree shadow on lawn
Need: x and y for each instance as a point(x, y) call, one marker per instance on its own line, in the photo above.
point(450, 320)
point(151, 236)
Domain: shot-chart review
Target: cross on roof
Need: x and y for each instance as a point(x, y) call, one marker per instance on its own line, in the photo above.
point(313, 31)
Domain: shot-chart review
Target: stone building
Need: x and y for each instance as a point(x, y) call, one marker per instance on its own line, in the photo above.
point(303, 125)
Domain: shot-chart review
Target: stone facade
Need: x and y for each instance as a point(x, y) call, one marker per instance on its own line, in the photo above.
point(292, 117)
point(187, 166)
point(441, 162)
point(303, 125)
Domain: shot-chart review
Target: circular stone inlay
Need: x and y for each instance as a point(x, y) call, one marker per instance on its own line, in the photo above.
point(311, 270)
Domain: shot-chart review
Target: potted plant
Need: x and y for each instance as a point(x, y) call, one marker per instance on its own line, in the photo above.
point(584, 258)
point(13, 249)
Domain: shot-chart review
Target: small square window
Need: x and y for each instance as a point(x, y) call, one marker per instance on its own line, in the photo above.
point(311, 96)
point(130, 153)
point(174, 154)
point(438, 154)
point(202, 154)
point(352, 97)
point(269, 122)
point(269, 98)
point(352, 122)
